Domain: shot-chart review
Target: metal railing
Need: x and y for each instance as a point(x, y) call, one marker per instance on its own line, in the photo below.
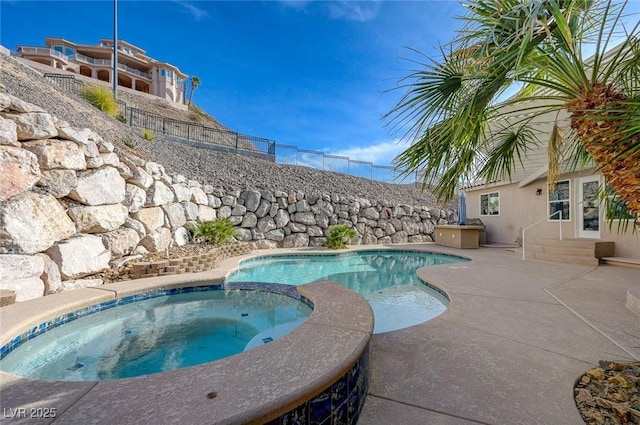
point(538, 222)
point(43, 51)
point(82, 58)
point(282, 154)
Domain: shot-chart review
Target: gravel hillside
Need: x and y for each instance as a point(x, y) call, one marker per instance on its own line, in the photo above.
point(226, 170)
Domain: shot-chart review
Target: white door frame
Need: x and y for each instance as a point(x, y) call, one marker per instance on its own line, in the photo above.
point(588, 216)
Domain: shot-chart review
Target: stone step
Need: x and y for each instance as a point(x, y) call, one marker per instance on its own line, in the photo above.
point(566, 259)
point(599, 248)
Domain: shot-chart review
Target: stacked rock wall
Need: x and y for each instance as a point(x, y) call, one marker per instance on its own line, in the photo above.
point(71, 203)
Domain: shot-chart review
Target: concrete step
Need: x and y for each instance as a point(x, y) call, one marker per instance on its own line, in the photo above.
point(570, 250)
point(566, 259)
point(601, 248)
point(622, 261)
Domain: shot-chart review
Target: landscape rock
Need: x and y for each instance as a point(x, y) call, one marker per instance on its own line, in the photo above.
point(135, 197)
point(53, 154)
point(8, 133)
point(99, 187)
point(31, 223)
point(19, 171)
point(98, 219)
point(158, 240)
point(50, 275)
point(151, 218)
point(58, 183)
point(68, 285)
point(121, 241)
point(159, 194)
point(32, 125)
point(80, 256)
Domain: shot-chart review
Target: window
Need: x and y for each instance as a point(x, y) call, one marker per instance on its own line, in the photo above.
point(559, 200)
point(490, 203)
point(69, 51)
point(163, 72)
point(58, 48)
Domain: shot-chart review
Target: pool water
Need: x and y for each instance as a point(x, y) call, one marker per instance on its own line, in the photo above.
point(157, 335)
point(385, 278)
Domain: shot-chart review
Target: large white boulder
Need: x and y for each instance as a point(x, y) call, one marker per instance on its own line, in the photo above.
point(135, 197)
point(80, 256)
point(158, 240)
point(121, 241)
point(19, 171)
point(83, 137)
point(99, 187)
point(21, 273)
point(159, 194)
point(8, 134)
point(51, 275)
point(32, 125)
point(151, 218)
point(175, 215)
point(54, 154)
point(98, 219)
point(58, 182)
point(31, 223)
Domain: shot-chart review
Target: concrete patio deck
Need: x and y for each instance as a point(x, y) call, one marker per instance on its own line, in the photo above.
point(508, 350)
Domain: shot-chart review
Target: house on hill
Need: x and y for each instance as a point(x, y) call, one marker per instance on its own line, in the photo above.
point(136, 70)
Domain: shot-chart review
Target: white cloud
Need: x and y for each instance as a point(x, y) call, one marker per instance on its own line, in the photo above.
point(196, 12)
point(353, 10)
point(381, 153)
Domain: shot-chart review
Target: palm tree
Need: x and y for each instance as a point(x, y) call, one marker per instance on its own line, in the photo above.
point(195, 82)
point(452, 107)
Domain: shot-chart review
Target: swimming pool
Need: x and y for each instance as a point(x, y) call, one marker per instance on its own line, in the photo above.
point(387, 279)
point(157, 334)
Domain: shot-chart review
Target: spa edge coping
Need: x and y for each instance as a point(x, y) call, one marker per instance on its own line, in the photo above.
point(253, 387)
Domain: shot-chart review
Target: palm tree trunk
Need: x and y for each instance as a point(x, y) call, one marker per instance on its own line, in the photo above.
point(596, 118)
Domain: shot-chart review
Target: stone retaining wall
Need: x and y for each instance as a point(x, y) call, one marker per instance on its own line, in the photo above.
point(71, 204)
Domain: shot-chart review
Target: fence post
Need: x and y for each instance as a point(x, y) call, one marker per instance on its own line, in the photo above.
point(236, 140)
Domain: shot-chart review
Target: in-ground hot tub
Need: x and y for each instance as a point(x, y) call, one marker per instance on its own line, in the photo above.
point(317, 371)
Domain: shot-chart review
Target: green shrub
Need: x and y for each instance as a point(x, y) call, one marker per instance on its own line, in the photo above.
point(102, 98)
point(122, 119)
point(128, 143)
point(339, 236)
point(216, 232)
point(147, 134)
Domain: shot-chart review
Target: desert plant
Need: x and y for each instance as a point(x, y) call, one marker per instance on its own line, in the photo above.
point(147, 134)
point(215, 232)
point(122, 119)
point(339, 236)
point(102, 98)
point(128, 143)
point(195, 82)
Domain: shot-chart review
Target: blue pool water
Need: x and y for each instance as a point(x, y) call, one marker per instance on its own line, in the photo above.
point(157, 335)
point(385, 278)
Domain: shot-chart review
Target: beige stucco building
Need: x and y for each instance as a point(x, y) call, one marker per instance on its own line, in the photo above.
point(509, 206)
point(136, 70)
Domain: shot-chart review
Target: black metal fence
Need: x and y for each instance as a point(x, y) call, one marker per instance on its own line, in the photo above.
point(283, 154)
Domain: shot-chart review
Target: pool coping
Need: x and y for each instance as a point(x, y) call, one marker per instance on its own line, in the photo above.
point(253, 387)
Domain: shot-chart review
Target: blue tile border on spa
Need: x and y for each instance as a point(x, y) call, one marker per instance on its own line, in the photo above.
point(288, 290)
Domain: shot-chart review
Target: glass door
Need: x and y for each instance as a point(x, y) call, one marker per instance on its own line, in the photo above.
point(588, 207)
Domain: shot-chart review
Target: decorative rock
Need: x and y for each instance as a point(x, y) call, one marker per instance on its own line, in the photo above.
point(266, 224)
point(32, 125)
point(19, 170)
point(159, 194)
point(158, 240)
point(181, 236)
point(296, 240)
point(263, 244)
point(263, 208)
point(198, 196)
point(5, 101)
point(140, 177)
point(80, 256)
point(98, 219)
point(281, 218)
point(31, 223)
point(50, 275)
point(14, 266)
point(305, 218)
point(182, 192)
point(134, 198)
point(191, 210)
point(121, 241)
point(251, 199)
point(151, 218)
point(249, 220)
point(243, 234)
point(58, 183)
point(214, 202)
point(8, 133)
point(19, 105)
point(275, 235)
point(399, 237)
point(229, 200)
point(175, 215)
point(81, 136)
point(57, 154)
point(224, 211)
point(206, 213)
point(239, 210)
point(136, 225)
point(25, 289)
point(99, 187)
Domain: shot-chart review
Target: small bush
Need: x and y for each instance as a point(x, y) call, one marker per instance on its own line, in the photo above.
point(147, 134)
point(216, 232)
point(102, 98)
point(122, 119)
point(339, 237)
point(128, 143)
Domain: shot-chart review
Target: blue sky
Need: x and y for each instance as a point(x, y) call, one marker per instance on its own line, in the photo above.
point(314, 74)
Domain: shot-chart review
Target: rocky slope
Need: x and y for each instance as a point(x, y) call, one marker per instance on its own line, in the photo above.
point(219, 169)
